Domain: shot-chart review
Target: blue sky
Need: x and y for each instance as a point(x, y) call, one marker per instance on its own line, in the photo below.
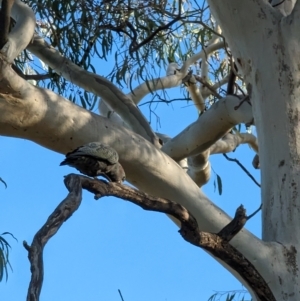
point(111, 244)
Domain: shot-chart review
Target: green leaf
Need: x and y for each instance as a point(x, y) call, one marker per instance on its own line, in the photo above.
point(86, 97)
point(4, 256)
point(2, 264)
point(219, 181)
point(95, 98)
point(230, 297)
point(213, 297)
point(1, 180)
point(4, 242)
point(83, 103)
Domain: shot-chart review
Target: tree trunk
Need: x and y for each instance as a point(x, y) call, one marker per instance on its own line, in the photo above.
point(266, 47)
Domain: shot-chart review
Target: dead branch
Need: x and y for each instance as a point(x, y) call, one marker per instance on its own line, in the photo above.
point(31, 76)
point(243, 168)
point(217, 244)
point(35, 252)
point(235, 226)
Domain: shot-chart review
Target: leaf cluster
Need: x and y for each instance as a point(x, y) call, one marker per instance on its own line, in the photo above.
point(4, 256)
point(230, 296)
point(141, 37)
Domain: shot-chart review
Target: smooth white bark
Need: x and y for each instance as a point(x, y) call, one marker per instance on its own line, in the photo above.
point(96, 84)
point(208, 128)
point(174, 79)
point(266, 46)
point(194, 90)
point(109, 113)
point(22, 32)
point(230, 142)
point(203, 54)
point(199, 168)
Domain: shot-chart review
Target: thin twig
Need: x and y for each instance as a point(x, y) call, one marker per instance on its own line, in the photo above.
point(30, 76)
point(120, 295)
point(208, 86)
point(256, 211)
point(243, 168)
point(155, 32)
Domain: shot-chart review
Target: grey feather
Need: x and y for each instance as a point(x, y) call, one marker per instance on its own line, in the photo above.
point(96, 159)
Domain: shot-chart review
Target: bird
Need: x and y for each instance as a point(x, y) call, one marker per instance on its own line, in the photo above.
point(96, 159)
point(172, 68)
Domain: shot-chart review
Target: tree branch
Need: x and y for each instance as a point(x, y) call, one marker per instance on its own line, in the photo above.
point(35, 251)
point(22, 32)
point(199, 168)
point(216, 244)
point(172, 80)
point(205, 84)
point(208, 129)
point(30, 76)
point(96, 84)
point(285, 7)
point(5, 20)
point(203, 54)
point(230, 142)
point(194, 91)
point(165, 82)
point(235, 226)
point(207, 92)
point(109, 113)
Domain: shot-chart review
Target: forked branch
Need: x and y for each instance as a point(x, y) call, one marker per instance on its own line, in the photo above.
point(216, 244)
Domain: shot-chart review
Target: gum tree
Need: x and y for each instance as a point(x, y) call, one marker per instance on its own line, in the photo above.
point(252, 47)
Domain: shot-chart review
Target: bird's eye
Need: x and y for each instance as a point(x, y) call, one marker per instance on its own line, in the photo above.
point(123, 179)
